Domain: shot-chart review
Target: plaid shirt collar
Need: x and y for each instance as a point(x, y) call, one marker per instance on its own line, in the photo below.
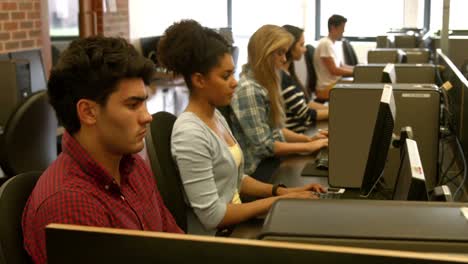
point(73, 148)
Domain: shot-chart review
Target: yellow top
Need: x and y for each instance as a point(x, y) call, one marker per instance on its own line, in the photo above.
point(237, 155)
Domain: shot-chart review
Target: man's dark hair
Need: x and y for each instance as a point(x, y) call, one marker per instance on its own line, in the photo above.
point(90, 68)
point(335, 21)
point(187, 47)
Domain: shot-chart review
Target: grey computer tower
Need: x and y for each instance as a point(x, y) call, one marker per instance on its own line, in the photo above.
point(353, 111)
point(15, 85)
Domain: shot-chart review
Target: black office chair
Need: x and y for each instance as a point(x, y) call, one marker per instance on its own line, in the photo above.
point(311, 75)
point(235, 55)
point(13, 196)
point(29, 140)
point(349, 54)
point(158, 145)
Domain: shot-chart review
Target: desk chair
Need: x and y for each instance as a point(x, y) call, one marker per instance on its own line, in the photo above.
point(13, 196)
point(311, 75)
point(158, 144)
point(349, 54)
point(29, 140)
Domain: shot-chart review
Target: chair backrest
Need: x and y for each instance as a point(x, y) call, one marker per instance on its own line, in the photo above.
point(235, 55)
point(158, 145)
point(29, 140)
point(311, 75)
point(13, 196)
point(349, 54)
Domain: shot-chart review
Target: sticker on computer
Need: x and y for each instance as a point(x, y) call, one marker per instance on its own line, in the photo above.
point(416, 95)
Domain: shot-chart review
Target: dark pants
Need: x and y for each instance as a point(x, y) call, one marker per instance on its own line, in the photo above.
point(265, 169)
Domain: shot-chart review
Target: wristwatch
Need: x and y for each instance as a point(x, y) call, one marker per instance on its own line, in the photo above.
point(274, 190)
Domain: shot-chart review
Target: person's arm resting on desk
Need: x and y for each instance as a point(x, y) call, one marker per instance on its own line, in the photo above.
point(237, 213)
point(297, 143)
point(329, 62)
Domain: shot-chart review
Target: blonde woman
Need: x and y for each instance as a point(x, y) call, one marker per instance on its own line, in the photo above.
point(258, 117)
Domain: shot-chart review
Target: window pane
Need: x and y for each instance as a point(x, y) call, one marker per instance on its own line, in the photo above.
point(152, 17)
point(457, 14)
point(366, 18)
point(249, 15)
point(63, 17)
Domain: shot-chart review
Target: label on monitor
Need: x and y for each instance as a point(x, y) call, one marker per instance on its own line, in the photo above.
point(387, 98)
point(416, 95)
point(414, 159)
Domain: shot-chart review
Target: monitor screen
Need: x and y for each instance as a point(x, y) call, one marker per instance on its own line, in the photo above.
point(38, 76)
point(388, 74)
point(149, 47)
point(4, 56)
point(411, 182)
point(381, 140)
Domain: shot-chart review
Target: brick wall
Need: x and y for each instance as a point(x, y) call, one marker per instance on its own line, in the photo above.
point(113, 24)
point(20, 25)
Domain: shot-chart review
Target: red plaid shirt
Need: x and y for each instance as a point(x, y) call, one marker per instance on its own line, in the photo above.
point(77, 190)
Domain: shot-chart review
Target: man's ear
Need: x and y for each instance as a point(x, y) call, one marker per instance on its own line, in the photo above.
point(87, 111)
point(198, 80)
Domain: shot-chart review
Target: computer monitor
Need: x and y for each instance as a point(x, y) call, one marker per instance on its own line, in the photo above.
point(395, 225)
point(107, 245)
point(406, 41)
point(380, 143)
point(406, 73)
point(388, 74)
point(38, 76)
point(458, 98)
point(4, 56)
point(149, 47)
point(411, 182)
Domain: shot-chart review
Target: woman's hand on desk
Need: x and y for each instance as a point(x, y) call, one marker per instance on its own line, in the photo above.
point(308, 188)
point(316, 144)
point(321, 134)
point(299, 195)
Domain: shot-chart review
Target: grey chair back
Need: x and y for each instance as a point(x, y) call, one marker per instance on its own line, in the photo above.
point(14, 194)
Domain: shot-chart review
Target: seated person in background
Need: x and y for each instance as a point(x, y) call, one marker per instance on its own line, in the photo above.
point(209, 158)
point(327, 65)
point(258, 116)
point(98, 91)
point(300, 114)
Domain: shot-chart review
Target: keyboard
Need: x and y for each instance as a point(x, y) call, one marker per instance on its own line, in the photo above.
point(332, 193)
point(321, 161)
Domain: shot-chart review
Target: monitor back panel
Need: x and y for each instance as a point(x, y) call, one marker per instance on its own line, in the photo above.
point(400, 225)
point(383, 56)
point(405, 73)
point(353, 110)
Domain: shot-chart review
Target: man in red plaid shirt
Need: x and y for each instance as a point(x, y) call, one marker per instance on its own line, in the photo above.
point(98, 90)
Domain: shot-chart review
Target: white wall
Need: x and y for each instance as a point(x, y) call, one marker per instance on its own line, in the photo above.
point(152, 17)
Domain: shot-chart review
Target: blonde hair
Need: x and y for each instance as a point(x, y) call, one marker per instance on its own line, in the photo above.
point(262, 46)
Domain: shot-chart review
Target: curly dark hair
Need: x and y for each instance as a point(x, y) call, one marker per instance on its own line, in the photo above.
point(90, 68)
point(187, 47)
